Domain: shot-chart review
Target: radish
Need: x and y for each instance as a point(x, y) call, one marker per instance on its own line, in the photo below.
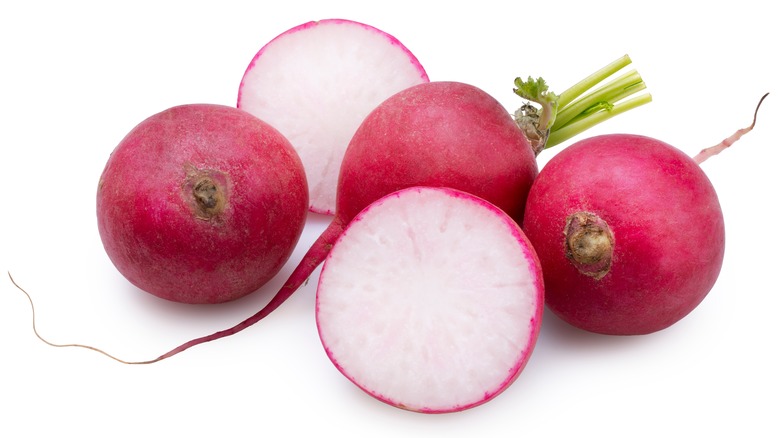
point(201, 203)
point(629, 231)
point(430, 300)
point(316, 82)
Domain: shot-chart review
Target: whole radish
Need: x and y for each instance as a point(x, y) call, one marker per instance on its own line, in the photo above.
point(431, 300)
point(201, 203)
point(316, 82)
point(629, 232)
point(447, 134)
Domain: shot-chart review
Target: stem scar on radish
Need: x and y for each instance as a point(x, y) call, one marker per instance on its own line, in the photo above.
point(455, 135)
point(629, 231)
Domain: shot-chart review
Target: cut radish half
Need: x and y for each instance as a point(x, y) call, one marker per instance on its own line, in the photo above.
point(316, 82)
point(431, 300)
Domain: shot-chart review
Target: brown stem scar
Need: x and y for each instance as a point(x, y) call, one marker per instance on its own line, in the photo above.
point(204, 190)
point(589, 244)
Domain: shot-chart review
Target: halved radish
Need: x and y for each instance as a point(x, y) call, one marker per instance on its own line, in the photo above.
point(431, 300)
point(316, 82)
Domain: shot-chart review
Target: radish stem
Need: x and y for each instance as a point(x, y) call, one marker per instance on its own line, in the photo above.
point(582, 124)
point(578, 108)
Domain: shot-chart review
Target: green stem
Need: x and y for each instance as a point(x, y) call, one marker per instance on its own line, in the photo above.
point(591, 81)
point(584, 123)
point(607, 95)
point(580, 107)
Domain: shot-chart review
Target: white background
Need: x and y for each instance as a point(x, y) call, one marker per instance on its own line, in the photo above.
point(75, 77)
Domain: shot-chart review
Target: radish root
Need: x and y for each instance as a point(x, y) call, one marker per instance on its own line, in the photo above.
point(718, 148)
point(46, 341)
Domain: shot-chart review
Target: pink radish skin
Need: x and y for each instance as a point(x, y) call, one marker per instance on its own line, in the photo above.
point(201, 204)
point(629, 232)
point(438, 134)
point(431, 300)
point(316, 82)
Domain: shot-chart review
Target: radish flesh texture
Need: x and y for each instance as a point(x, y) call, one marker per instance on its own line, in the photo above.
point(629, 232)
point(431, 300)
point(201, 203)
point(316, 82)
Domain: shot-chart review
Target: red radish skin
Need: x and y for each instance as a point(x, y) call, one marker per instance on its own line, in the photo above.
point(316, 82)
point(431, 300)
point(629, 232)
point(201, 204)
point(438, 134)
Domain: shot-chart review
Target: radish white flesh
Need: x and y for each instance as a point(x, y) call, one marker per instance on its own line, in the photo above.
point(316, 82)
point(431, 300)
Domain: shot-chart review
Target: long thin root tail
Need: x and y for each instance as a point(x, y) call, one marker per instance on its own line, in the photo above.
point(46, 341)
point(718, 148)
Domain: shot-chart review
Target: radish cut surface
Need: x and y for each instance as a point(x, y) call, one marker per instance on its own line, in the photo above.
point(431, 300)
point(316, 82)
